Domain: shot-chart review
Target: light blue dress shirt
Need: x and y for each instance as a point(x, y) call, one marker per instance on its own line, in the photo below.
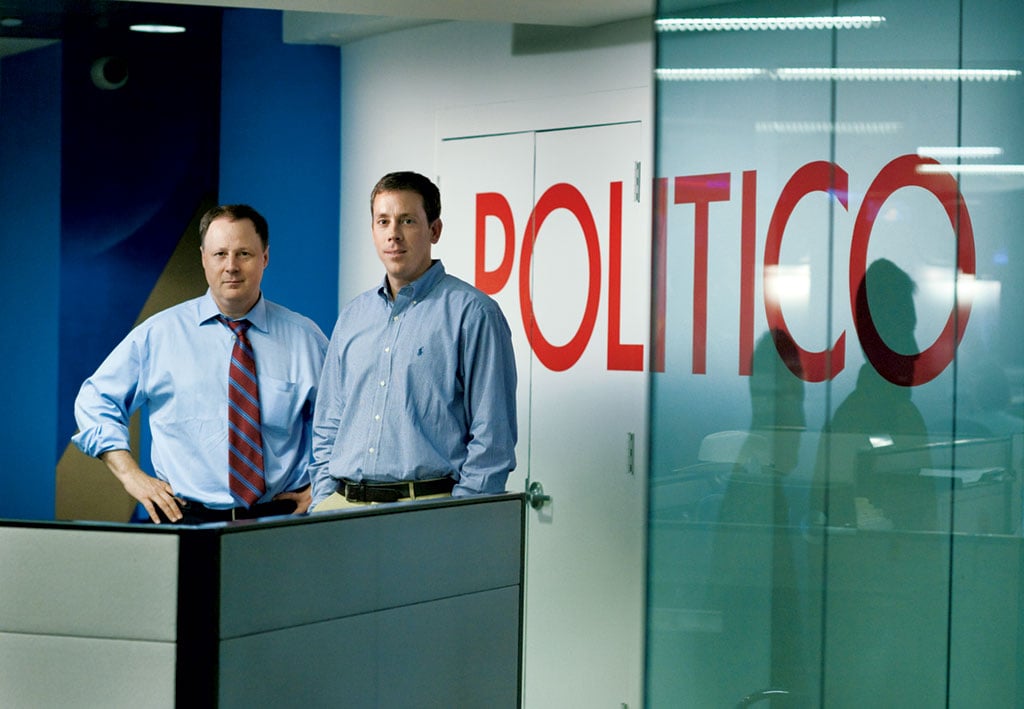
point(176, 363)
point(420, 387)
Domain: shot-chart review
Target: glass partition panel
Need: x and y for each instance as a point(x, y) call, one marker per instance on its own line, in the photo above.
point(987, 580)
point(837, 401)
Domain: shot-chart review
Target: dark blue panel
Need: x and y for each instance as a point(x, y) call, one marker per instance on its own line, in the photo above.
point(29, 284)
point(280, 152)
point(137, 163)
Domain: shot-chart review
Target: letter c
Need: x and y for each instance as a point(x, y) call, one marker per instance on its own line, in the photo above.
point(819, 176)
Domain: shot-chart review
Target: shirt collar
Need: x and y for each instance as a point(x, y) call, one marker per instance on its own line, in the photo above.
point(257, 315)
point(419, 288)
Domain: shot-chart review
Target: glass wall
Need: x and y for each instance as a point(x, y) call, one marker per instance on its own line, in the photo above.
point(838, 387)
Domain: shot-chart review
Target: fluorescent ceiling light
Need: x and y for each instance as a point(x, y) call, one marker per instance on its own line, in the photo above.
point(828, 127)
point(887, 74)
point(711, 74)
point(962, 152)
point(711, 24)
point(971, 169)
point(158, 29)
point(834, 74)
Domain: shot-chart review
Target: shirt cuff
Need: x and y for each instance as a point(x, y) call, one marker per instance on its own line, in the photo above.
point(98, 440)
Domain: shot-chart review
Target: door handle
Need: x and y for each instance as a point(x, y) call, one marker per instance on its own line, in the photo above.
point(535, 494)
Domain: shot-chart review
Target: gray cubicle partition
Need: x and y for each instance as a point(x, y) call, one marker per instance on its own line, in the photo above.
point(403, 605)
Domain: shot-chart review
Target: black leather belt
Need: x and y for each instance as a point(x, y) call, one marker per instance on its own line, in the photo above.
point(393, 492)
point(197, 512)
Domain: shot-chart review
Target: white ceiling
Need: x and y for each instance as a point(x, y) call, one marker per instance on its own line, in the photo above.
point(341, 21)
point(576, 13)
point(337, 21)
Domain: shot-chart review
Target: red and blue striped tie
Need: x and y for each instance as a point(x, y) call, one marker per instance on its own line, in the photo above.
point(245, 440)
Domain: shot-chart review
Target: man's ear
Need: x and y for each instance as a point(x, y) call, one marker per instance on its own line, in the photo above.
point(435, 231)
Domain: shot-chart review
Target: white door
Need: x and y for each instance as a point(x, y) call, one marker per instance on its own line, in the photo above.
point(575, 289)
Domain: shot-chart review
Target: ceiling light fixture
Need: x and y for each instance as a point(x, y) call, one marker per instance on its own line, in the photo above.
point(953, 152)
point(711, 74)
point(931, 169)
point(157, 29)
point(892, 74)
point(834, 74)
point(711, 24)
point(827, 127)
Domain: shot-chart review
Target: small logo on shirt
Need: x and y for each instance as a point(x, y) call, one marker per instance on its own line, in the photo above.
point(419, 352)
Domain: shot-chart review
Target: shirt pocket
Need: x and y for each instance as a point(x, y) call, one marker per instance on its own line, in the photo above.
point(279, 403)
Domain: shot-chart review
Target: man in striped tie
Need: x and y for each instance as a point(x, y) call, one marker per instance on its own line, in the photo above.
point(230, 380)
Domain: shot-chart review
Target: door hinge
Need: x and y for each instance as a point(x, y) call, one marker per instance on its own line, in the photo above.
point(636, 182)
point(630, 444)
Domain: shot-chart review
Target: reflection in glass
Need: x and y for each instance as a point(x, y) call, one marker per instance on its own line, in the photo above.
point(855, 541)
point(753, 533)
point(878, 415)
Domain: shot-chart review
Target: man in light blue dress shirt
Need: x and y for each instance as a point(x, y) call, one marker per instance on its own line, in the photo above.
point(176, 364)
point(418, 392)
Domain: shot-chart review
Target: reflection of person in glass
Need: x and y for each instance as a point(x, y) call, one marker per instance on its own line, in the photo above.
point(878, 418)
point(776, 422)
point(753, 566)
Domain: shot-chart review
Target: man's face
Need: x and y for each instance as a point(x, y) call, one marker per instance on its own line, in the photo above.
point(403, 236)
point(234, 259)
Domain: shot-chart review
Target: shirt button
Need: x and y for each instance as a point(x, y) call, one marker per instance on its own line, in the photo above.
point(377, 417)
point(387, 349)
point(382, 383)
point(371, 450)
point(395, 318)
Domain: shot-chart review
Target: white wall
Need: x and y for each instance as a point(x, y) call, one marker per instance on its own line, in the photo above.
point(394, 85)
point(403, 92)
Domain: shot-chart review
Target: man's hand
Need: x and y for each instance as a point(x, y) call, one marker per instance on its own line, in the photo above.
point(301, 497)
point(151, 492)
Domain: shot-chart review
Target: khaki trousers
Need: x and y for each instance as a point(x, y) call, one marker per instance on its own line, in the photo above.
point(337, 501)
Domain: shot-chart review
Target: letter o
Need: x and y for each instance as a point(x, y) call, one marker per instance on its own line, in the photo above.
point(560, 196)
point(928, 364)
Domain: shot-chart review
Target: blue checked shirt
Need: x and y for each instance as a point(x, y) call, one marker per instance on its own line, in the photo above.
point(420, 387)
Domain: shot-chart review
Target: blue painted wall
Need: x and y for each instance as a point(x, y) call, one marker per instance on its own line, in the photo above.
point(281, 151)
point(97, 188)
point(29, 278)
point(137, 164)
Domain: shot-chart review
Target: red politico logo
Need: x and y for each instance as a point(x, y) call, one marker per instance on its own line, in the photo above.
point(701, 191)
